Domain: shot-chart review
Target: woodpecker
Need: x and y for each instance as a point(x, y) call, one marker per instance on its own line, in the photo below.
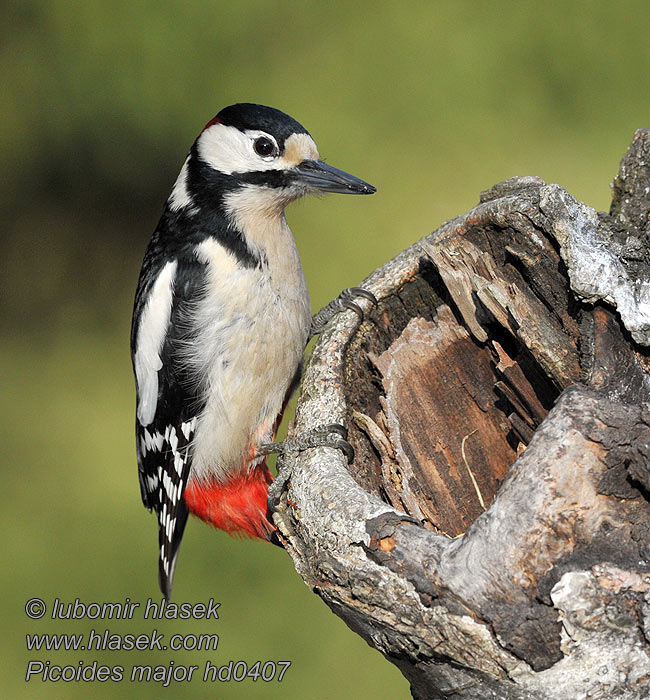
point(220, 323)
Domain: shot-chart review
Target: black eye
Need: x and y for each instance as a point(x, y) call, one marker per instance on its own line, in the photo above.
point(264, 147)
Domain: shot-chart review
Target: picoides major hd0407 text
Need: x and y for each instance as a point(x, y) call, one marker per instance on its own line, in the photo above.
point(220, 323)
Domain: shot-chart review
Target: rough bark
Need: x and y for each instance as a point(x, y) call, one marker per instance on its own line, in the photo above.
point(492, 536)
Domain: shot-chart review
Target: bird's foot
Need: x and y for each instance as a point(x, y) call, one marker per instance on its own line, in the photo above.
point(333, 435)
point(345, 300)
point(277, 489)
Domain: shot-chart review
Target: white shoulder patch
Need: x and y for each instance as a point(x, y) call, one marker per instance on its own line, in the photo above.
point(150, 339)
point(180, 197)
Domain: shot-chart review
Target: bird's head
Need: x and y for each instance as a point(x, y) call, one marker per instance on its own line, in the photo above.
point(258, 157)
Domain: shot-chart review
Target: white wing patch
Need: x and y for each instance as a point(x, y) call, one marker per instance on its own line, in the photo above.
point(188, 427)
point(151, 335)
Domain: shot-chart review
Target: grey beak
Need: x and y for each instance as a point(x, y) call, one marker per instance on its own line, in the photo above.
point(323, 177)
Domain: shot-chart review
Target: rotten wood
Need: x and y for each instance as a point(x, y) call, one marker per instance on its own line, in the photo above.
point(492, 536)
point(437, 388)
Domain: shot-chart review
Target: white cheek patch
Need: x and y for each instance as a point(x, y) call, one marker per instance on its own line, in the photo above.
point(229, 150)
point(151, 336)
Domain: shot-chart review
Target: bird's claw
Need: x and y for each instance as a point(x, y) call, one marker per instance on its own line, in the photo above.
point(318, 437)
point(347, 296)
point(337, 428)
point(276, 489)
point(346, 448)
point(322, 436)
point(361, 292)
point(345, 300)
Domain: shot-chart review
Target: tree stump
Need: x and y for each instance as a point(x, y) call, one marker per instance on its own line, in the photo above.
point(492, 536)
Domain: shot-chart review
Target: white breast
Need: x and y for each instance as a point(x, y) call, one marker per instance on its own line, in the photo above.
point(252, 328)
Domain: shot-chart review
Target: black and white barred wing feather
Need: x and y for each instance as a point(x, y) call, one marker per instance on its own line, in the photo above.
point(167, 406)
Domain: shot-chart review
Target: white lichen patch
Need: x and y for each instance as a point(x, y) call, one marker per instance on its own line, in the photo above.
point(595, 271)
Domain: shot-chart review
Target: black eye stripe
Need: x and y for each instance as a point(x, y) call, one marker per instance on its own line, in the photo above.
point(267, 178)
point(264, 146)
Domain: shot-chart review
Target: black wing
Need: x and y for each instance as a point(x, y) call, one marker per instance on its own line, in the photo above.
point(164, 440)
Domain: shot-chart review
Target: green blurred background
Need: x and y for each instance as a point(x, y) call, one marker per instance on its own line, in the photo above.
point(430, 101)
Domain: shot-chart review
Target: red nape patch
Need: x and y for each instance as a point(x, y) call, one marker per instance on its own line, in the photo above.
point(238, 506)
point(214, 120)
